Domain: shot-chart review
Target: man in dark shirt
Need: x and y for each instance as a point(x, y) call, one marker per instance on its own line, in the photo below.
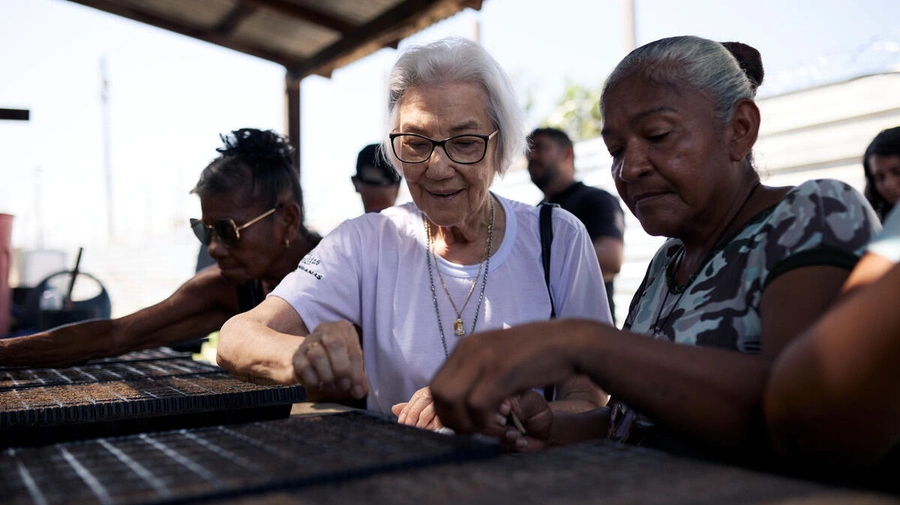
point(376, 181)
point(551, 164)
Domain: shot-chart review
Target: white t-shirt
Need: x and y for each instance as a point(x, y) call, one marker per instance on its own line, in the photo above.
point(373, 272)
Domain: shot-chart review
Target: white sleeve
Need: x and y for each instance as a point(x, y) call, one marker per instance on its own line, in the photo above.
point(326, 284)
point(576, 281)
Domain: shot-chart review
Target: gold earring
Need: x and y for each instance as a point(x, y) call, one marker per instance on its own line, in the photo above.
point(287, 243)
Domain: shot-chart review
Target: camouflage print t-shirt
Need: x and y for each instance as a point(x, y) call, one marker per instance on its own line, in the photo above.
point(823, 222)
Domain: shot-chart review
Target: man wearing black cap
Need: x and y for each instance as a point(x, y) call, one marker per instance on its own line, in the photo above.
point(376, 181)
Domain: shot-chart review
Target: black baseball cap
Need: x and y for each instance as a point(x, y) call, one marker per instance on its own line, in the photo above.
point(373, 169)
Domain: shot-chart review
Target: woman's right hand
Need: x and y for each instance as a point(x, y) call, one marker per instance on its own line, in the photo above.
point(331, 358)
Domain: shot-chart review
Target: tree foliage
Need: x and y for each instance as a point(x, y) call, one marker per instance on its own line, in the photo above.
point(577, 112)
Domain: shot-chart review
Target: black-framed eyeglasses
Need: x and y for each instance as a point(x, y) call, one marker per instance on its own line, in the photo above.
point(464, 149)
point(228, 232)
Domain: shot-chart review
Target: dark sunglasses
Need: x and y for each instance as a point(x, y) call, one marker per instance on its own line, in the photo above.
point(228, 232)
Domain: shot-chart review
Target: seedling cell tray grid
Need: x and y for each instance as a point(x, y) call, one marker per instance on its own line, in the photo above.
point(39, 406)
point(212, 463)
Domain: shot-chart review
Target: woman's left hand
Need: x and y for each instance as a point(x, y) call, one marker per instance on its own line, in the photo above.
point(536, 418)
point(418, 411)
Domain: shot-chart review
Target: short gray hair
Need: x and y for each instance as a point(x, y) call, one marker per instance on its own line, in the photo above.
point(457, 60)
point(725, 72)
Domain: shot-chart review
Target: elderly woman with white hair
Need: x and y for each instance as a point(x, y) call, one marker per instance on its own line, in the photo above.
point(389, 295)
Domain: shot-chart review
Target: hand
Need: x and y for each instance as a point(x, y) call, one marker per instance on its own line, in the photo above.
point(486, 368)
point(418, 411)
point(331, 358)
point(536, 417)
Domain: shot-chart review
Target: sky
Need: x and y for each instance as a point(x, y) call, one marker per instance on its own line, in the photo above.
point(169, 97)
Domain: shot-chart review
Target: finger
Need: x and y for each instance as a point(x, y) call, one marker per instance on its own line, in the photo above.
point(516, 442)
point(303, 370)
point(337, 346)
point(415, 406)
point(435, 423)
point(528, 403)
point(398, 408)
point(359, 383)
point(492, 389)
point(451, 386)
point(320, 361)
point(427, 417)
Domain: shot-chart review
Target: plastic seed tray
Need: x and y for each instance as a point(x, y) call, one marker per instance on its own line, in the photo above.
point(157, 354)
point(145, 355)
point(598, 472)
point(224, 462)
point(46, 405)
point(21, 378)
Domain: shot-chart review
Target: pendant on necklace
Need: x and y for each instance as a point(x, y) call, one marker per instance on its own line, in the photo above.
point(458, 327)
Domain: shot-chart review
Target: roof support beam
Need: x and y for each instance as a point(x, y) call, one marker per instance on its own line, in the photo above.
point(304, 13)
point(385, 30)
point(233, 19)
point(190, 31)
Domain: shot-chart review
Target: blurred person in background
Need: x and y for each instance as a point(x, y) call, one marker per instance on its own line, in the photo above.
point(376, 180)
point(551, 165)
point(881, 166)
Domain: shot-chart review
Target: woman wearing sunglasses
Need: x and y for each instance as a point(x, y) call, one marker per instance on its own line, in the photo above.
point(253, 227)
point(418, 278)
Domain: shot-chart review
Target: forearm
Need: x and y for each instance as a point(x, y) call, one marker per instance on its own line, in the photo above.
point(831, 392)
point(61, 346)
point(815, 420)
point(254, 352)
point(610, 254)
point(706, 393)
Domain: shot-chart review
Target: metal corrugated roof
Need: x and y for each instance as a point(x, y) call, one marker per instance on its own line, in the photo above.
point(305, 36)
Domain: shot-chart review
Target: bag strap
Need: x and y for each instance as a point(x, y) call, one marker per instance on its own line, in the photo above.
point(546, 229)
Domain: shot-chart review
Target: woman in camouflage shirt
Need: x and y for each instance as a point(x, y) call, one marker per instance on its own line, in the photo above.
point(747, 268)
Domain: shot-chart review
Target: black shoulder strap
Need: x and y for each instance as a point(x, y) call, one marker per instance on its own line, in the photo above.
point(546, 227)
point(250, 294)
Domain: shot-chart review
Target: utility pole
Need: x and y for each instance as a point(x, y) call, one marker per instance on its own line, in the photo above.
point(104, 105)
point(628, 24)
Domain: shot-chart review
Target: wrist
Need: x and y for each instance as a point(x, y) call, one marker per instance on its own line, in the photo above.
point(582, 345)
point(568, 428)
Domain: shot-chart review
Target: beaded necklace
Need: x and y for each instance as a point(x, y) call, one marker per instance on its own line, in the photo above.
point(486, 263)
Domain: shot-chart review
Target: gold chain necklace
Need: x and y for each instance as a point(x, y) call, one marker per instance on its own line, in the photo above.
point(458, 328)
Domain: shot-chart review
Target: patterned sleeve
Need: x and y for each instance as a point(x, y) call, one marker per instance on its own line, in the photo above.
point(822, 222)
